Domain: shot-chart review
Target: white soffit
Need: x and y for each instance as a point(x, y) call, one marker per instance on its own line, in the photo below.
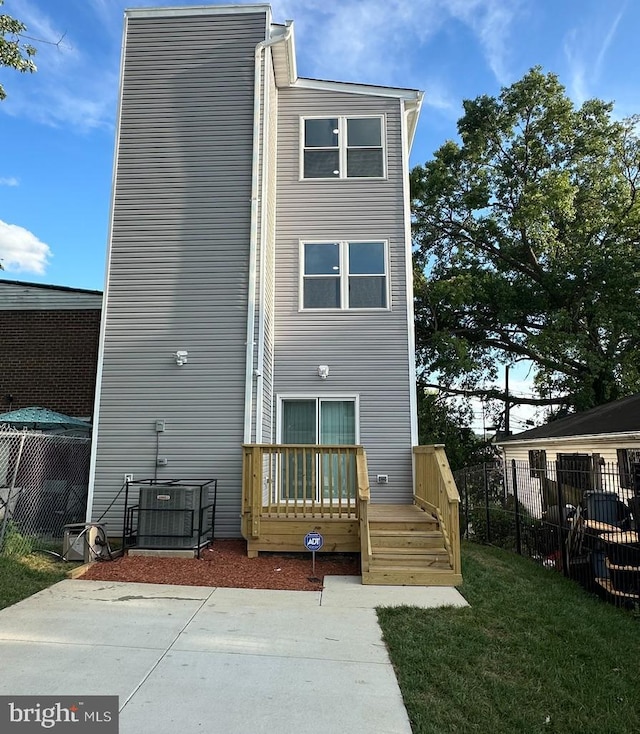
point(284, 54)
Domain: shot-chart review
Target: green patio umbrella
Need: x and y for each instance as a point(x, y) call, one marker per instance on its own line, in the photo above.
point(42, 419)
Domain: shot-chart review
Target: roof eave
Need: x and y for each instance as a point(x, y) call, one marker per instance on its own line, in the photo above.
point(371, 90)
point(286, 52)
point(579, 438)
point(178, 11)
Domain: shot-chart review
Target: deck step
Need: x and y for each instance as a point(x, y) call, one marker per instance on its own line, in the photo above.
point(410, 525)
point(407, 548)
point(394, 538)
point(407, 518)
point(398, 560)
point(399, 576)
point(399, 552)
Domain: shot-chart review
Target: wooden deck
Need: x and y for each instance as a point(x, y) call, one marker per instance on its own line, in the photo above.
point(407, 548)
point(286, 534)
point(399, 544)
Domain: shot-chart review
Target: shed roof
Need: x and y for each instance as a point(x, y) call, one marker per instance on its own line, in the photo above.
point(619, 416)
point(21, 295)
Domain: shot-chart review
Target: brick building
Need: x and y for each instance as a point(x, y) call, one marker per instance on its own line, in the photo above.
point(48, 347)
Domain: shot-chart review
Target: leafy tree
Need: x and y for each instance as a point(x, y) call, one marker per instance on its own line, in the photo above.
point(527, 235)
point(14, 52)
point(441, 421)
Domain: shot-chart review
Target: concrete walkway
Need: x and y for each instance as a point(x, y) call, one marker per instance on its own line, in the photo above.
point(186, 659)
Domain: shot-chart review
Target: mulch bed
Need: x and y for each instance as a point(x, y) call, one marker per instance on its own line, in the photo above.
point(226, 564)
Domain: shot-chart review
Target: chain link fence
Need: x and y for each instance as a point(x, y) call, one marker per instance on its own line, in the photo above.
point(44, 482)
point(582, 521)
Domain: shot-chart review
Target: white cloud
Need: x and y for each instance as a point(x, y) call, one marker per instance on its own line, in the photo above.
point(577, 67)
point(9, 181)
point(585, 49)
point(490, 20)
point(384, 41)
point(21, 251)
point(606, 42)
point(371, 41)
point(439, 97)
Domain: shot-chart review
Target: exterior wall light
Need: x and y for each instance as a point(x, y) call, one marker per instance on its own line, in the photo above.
point(323, 371)
point(181, 357)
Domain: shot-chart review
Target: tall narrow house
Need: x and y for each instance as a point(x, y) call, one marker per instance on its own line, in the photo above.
point(258, 324)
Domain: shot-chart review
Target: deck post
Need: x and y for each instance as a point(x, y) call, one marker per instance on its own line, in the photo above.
point(514, 479)
point(256, 490)
point(362, 504)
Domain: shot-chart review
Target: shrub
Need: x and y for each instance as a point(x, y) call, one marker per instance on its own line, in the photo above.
point(16, 544)
point(501, 528)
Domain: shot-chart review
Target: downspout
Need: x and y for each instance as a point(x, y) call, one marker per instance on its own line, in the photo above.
point(253, 240)
point(266, 112)
point(411, 341)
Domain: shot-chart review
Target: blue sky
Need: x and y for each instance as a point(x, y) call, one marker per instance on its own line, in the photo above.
point(57, 126)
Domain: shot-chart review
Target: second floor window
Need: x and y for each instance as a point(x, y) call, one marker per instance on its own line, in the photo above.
point(344, 275)
point(342, 147)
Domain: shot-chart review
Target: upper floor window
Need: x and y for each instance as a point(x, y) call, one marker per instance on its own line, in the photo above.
point(344, 275)
point(342, 147)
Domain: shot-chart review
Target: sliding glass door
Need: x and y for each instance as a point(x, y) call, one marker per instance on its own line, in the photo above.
point(324, 421)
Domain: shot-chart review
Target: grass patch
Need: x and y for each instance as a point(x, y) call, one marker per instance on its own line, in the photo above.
point(533, 653)
point(22, 576)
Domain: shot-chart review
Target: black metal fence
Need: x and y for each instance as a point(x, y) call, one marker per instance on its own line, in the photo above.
point(581, 521)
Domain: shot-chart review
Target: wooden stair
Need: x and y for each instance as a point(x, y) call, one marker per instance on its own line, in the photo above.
point(407, 549)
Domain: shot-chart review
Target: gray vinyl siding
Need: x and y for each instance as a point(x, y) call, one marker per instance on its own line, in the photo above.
point(179, 258)
point(367, 352)
point(28, 297)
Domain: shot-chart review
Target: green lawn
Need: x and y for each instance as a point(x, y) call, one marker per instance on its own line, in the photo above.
point(533, 653)
point(21, 576)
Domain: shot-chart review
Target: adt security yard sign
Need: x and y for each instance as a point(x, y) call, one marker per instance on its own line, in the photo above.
point(313, 541)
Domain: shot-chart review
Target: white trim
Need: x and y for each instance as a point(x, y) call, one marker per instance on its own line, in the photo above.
point(272, 300)
point(259, 62)
point(173, 11)
point(343, 147)
point(411, 338)
point(266, 134)
point(343, 275)
point(369, 89)
point(583, 438)
point(348, 397)
point(412, 109)
point(285, 55)
point(103, 319)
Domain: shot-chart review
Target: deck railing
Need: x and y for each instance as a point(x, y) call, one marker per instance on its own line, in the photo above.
point(436, 492)
point(364, 497)
point(297, 480)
